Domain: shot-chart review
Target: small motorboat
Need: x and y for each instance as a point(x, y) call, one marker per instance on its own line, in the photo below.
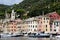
point(58, 36)
point(40, 35)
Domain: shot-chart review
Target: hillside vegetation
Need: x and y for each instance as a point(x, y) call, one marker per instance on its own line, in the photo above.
point(32, 8)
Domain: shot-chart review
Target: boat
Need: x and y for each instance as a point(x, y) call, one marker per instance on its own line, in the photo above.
point(39, 35)
point(17, 35)
point(10, 35)
point(58, 36)
point(5, 35)
point(25, 35)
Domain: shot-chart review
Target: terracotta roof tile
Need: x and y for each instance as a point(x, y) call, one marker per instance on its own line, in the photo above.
point(53, 15)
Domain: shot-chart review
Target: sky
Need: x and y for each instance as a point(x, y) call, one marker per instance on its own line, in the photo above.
point(10, 2)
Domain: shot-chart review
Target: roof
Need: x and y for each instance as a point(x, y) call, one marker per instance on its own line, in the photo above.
point(53, 15)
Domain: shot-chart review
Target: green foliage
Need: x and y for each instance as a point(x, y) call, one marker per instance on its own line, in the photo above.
point(20, 12)
point(35, 7)
point(3, 8)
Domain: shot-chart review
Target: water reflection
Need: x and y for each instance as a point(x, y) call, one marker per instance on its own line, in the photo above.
point(25, 38)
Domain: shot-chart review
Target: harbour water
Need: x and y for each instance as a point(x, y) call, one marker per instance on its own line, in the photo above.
point(25, 38)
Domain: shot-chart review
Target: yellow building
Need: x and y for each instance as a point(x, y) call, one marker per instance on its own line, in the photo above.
point(24, 28)
point(44, 24)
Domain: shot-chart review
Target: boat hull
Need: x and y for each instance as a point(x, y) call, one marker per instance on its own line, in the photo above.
point(41, 35)
point(17, 36)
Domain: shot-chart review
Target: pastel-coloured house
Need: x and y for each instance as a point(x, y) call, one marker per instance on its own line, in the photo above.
point(32, 25)
point(44, 24)
point(12, 27)
point(56, 27)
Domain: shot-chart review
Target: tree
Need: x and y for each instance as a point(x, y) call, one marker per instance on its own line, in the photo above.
point(20, 12)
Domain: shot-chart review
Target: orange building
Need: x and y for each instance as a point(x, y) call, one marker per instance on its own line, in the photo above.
point(12, 27)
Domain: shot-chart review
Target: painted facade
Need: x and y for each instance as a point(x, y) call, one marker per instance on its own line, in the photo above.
point(32, 25)
point(1, 27)
point(44, 24)
point(24, 28)
point(56, 26)
point(12, 27)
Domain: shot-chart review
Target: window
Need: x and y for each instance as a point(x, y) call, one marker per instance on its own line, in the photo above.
point(19, 26)
point(34, 29)
point(33, 26)
point(54, 23)
point(40, 18)
point(41, 22)
point(44, 21)
point(14, 26)
point(11, 29)
point(57, 24)
point(54, 29)
point(46, 29)
point(47, 18)
point(44, 18)
point(14, 29)
point(50, 29)
point(46, 25)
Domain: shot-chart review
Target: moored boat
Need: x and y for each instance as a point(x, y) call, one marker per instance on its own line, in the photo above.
point(5, 35)
point(10, 35)
point(39, 35)
point(17, 35)
point(58, 36)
